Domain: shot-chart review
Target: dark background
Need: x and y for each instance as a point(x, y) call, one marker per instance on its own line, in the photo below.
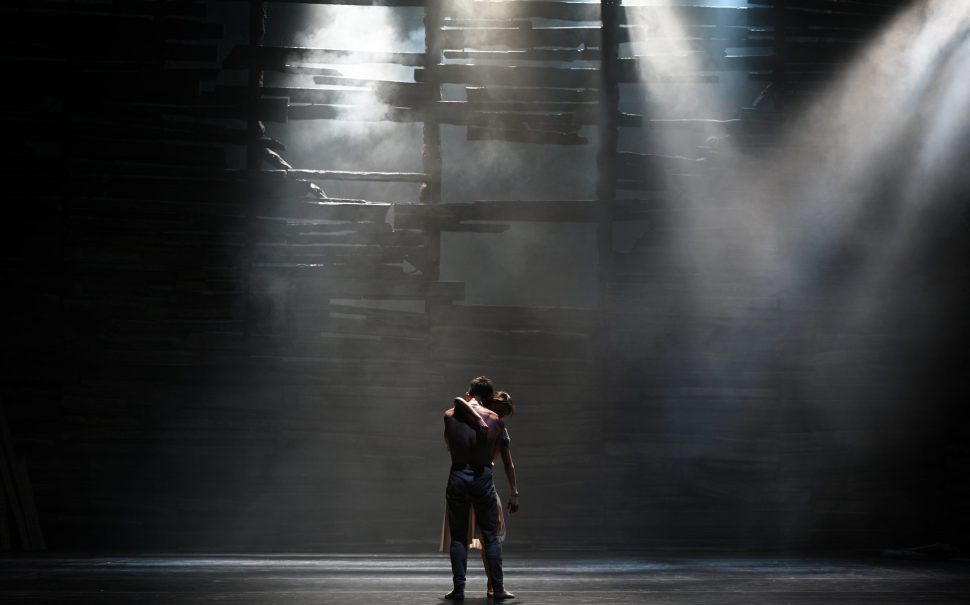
point(176, 376)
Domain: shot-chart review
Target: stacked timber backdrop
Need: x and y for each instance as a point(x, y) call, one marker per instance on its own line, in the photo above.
point(204, 350)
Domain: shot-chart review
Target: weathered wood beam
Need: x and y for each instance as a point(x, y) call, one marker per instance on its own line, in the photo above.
point(519, 135)
point(520, 37)
point(627, 71)
point(355, 113)
point(536, 107)
point(497, 115)
point(356, 211)
point(552, 54)
point(276, 58)
point(316, 96)
point(384, 88)
point(419, 216)
point(313, 71)
point(348, 175)
point(701, 125)
point(507, 75)
point(530, 94)
point(518, 9)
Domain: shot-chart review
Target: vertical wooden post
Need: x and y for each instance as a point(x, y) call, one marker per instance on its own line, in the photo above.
point(780, 48)
point(257, 27)
point(609, 107)
point(431, 151)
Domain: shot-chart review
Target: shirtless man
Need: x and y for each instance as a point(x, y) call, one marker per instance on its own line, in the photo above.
point(473, 433)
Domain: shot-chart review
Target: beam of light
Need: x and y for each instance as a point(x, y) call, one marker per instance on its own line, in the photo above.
point(359, 138)
point(362, 30)
point(799, 265)
point(365, 29)
point(880, 148)
point(885, 140)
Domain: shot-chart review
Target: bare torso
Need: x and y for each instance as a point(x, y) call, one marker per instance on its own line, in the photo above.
point(469, 445)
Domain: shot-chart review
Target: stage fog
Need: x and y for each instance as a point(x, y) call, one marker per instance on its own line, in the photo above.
point(717, 254)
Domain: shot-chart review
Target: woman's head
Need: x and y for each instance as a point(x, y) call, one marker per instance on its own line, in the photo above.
point(501, 404)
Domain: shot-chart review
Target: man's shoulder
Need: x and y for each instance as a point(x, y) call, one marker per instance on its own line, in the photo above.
point(487, 413)
point(449, 413)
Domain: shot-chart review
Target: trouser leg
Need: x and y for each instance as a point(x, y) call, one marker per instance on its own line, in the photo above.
point(458, 510)
point(486, 512)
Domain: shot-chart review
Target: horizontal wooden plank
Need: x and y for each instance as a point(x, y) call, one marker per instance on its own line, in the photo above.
point(519, 9)
point(357, 113)
point(628, 70)
point(423, 215)
point(530, 94)
point(547, 54)
point(333, 210)
point(398, 94)
point(276, 58)
point(531, 116)
point(525, 135)
point(521, 37)
point(349, 175)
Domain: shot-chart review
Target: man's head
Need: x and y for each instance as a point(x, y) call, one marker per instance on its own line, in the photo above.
point(481, 388)
point(502, 404)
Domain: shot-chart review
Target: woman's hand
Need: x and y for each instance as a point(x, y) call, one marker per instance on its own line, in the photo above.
point(513, 504)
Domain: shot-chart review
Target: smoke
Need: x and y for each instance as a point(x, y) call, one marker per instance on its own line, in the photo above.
point(808, 268)
point(362, 136)
point(790, 312)
point(365, 29)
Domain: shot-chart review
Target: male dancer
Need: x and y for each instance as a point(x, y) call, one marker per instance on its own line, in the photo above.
point(470, 484)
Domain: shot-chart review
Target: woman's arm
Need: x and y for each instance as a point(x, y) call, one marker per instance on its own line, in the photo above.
point(465, 410)
point(510, 475)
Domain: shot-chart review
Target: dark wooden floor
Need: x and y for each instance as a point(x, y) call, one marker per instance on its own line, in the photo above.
point(360, 579)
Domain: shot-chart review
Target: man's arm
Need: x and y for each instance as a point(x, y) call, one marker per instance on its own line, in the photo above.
point(469, 413)
point(510, 475)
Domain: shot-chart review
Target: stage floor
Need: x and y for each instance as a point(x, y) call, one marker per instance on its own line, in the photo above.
point(403, 579)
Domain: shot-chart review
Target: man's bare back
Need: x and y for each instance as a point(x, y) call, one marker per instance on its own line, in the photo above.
point(467, 444)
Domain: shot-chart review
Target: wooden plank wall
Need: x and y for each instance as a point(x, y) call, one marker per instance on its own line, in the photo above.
point(205, 353)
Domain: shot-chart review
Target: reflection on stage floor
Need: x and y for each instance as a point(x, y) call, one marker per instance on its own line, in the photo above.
point(545, 579)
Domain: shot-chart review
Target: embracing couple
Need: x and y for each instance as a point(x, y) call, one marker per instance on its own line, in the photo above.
point(475, 432)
